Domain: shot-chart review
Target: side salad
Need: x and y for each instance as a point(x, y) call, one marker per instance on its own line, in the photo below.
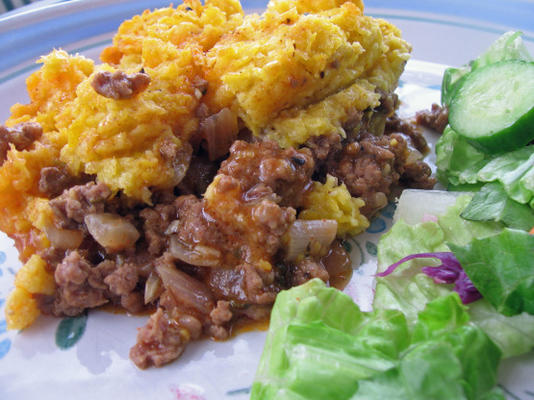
point(321, 346)
point(455, 285)
point(501, 271)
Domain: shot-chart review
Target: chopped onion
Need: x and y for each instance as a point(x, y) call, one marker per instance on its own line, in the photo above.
point(173, 227)
point(220, 131)
point(414, 155)
point(111, 231)
point(64, 238)
point(153, 288)
point(185, 289)
point(303, 232)
point(199, 255)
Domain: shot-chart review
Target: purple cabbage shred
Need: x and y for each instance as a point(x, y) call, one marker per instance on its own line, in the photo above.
point(448, 272)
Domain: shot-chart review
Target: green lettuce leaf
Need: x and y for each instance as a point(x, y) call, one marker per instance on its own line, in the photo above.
point(502, 269)
point(492, 203)
point(514, 335)
point(461, 166)
point(509, 46)
point(457, 160)
point(409, 290)
point(460, 163)
point(514, 170)
point(321, 346)
point(311, 326)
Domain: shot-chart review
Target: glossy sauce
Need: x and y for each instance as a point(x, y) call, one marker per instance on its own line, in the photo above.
point(339, 266)
point(248, 325)
point(337, 262)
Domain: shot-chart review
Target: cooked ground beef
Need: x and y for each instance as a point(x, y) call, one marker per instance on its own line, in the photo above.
point(222, 313)
point(21, 136)
point(259, 286)
point(79, 284)
point(160, 341)
point(254, 312)
point(417, 175)
point(194, 226)
point(214, 259)
point(227, 283)
point(122, 280)
point(373, 167)
point(436, 118)
point(199, 175)
point(82, 284)
point(74, 204)
point(367, 169)
point(119, 85)
point(156, 223)
point(287, 172)
point(132, 302)
point(394, 124)
point(252, 229)
point(323, 146)
point(305, 270)
point(55, 180)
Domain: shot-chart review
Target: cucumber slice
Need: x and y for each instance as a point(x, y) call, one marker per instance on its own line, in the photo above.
point(494, 106)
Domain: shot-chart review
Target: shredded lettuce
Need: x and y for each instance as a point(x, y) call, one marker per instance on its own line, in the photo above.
point(321, 346)
point(409, 290)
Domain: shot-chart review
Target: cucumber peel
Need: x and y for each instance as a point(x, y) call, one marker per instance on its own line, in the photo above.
point(494, 106)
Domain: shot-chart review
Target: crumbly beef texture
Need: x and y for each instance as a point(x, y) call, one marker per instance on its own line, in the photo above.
point(21, 136)
point(305, 270)
point(158, 342)
point(206, 262)
point(417, 141)
point(74, 204)
point(374, 168)
point(119, 85)
point(323, 146)
point(54, 180)
point(227, 245)
point(436, 118)
point(83, 285)
point(285, 172)
point(156, 220)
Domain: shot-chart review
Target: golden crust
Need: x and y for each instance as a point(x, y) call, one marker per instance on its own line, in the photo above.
point(31, 279)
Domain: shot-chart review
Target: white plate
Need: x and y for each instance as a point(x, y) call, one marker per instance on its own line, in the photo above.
point(94, 362)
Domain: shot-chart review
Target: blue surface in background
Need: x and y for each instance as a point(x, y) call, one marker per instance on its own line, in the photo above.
point(518, 14)
point(44, 35)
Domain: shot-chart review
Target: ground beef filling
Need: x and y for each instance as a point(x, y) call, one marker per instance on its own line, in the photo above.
point(119, 85)
point(210, 253)
point(376, 168)
point(436, 118)
point(20, 136)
